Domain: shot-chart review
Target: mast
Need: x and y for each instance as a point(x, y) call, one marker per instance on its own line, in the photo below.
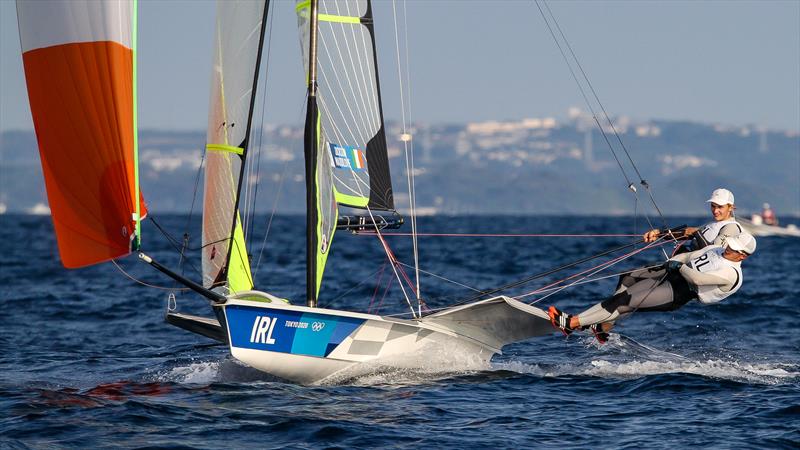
point(246, 142)
point(311, 138)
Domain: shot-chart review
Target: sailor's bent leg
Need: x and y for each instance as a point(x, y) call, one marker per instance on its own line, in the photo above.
point(645, 295)
point(629, 279)
point(606, 311)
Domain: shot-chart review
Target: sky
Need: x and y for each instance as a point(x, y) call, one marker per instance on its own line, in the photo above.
point(728, 62)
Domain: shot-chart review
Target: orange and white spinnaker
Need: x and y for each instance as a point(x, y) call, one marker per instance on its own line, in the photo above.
point(80, 70)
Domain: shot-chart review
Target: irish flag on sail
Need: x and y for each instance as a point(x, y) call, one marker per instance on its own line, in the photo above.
point(79, 58)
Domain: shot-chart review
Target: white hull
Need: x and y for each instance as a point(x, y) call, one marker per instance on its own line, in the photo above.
point(307, 345)
point(762, 229)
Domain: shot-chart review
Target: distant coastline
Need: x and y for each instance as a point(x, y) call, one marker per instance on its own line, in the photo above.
point(535, 166)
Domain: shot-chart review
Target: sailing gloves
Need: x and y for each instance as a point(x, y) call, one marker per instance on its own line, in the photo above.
point(672, 266)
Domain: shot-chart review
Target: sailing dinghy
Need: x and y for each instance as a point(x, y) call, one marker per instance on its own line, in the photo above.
point(346, 167)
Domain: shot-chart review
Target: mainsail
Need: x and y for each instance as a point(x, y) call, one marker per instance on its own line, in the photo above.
point(237, 42)
point(80, 70)
point(346, 153)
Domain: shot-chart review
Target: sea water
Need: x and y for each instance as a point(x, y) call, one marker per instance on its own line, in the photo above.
point(87, 360)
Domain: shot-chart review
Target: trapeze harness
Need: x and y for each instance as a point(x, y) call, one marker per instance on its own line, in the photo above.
point(704, 275)
point(713, 233)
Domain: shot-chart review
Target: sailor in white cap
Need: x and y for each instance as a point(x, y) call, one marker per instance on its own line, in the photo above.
point(709, 275)
point(723, 226)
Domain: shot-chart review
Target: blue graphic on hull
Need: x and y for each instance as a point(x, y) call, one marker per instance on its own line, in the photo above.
point(298, 333)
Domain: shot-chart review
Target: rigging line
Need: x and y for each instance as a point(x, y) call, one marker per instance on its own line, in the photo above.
point(271, 215)
point(585, 281)
point(409, 157)
point(586, 100)
point(392, 259)
point(585, 97)
point(631, 186)
point(370, 233)
point(441, 277)
point(367, 278)
point(173, 242)
point(163, 288)
point(594, 270)
point(642, 181)
point(377, 285)
point(388, 253)
point(278, 194)
point(194, 194)
point(385, 292)
point(550, 272)
point(650, 291)
point(261, 127)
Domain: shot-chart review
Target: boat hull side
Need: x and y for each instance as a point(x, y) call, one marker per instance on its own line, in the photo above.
point(304, 345)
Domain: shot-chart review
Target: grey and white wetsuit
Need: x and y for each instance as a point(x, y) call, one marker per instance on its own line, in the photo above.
point(705, 275)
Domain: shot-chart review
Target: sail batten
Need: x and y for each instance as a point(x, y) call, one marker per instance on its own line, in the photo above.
point(80, 70)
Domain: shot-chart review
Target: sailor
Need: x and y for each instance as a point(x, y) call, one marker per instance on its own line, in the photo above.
point(723, 226)
point(709, 275)
point(768, 216)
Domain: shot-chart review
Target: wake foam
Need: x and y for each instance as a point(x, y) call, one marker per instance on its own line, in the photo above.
point(194, 373)
point(713, 368)
point(624, 358)
point(437, 361)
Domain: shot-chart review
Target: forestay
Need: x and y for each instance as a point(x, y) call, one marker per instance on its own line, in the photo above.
point(237, 42)
point(79, 59)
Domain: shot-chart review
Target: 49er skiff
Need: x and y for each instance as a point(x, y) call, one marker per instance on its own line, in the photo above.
point(85, 50)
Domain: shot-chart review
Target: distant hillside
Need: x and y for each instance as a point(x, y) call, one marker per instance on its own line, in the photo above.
point(528, 167)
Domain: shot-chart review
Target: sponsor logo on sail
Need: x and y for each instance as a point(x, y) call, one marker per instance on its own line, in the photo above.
point(339, 157)
point(347, 157)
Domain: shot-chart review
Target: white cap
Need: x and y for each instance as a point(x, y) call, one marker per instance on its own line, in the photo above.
point(721, 197)
point(743, 242)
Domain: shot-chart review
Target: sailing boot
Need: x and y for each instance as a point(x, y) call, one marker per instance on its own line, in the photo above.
point(560, 320)
point(599, 334)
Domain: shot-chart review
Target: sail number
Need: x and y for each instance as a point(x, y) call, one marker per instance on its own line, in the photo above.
point(262, 330)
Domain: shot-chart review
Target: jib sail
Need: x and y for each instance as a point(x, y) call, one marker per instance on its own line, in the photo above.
point(237, 42)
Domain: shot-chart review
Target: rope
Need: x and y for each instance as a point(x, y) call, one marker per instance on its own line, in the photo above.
point(377, 285)
point(371, 233)
point(409, 154)
point(443, 278)
point(549, 272)
point(271, 215)
point(164, 288)
point(263, 85)
point(631, 187)
point(594, 270)
point(174, 243)
point(642, 181)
